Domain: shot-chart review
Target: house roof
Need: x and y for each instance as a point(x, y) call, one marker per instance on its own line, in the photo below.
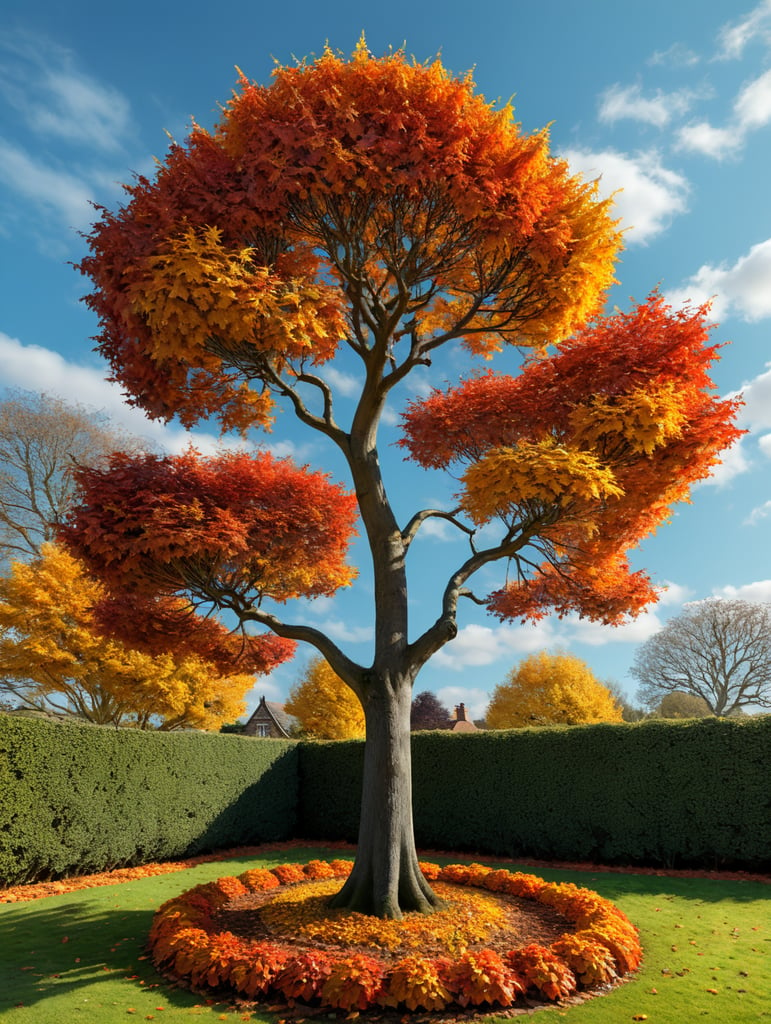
point(284, 722)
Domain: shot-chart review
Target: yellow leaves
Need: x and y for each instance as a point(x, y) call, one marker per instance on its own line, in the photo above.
point(546, 689)
point(543, 472)
point(204, 302)
point(644, 418)
point(324, 705)
point(49, 643)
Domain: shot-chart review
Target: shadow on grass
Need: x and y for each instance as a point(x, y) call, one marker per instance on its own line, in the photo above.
point(55, 949)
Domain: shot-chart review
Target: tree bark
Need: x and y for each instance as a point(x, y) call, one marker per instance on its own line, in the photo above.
point(386, 880)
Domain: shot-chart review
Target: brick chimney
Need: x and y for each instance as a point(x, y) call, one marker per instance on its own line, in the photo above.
point(460, 713)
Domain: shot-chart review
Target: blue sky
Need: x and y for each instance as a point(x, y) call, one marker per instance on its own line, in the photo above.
point(670, 102)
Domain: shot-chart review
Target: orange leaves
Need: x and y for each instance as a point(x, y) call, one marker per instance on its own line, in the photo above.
point(329, 968)
point(354, 983)
point(261, 243)
point(234, 522)
point(415, 983)
point(584, 453)
point(482, 977)
point(542, 969)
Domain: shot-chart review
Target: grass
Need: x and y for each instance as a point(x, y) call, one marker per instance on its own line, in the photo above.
point(80, 956)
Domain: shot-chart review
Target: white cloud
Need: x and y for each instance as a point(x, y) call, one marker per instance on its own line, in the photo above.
point(344, 632)
point(476, 700)
point(40, 82)
point(438, 529)
point(596, 634)
point(483, 645)
point(648, 195)
point(753, 105)
point(733, 38)
point(733, 463)
point(743, 289)
point(76, 108)
point(751, 110)
point(56, 190)
point(756, 395)
point(673, 594)
point(619, 102)
point(34, 368)
point(759, 591)
point(761, 512)
point(764, 443)
point(675, 56)
point(702, 137)
point(342, 383)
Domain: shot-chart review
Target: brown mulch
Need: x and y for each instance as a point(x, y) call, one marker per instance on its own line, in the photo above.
point(526, 921)
point(37, 890)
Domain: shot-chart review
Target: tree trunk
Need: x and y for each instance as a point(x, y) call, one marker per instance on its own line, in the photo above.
point(386, 880)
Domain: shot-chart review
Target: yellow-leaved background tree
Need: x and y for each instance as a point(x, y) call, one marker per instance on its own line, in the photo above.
point(53, 659)
point(551, 689)
point(324, 706)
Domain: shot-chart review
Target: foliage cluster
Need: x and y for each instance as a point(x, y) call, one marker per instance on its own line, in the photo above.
point(546, 689)
point(54, 657)
point(325, 707)
point(82, 798)
point(660, 793)
point(187, 941)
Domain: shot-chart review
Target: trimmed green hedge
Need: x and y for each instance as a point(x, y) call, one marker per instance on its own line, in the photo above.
point(656, 793)
point(80, 798)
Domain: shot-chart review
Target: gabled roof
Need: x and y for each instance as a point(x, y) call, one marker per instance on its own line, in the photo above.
point(273, 711)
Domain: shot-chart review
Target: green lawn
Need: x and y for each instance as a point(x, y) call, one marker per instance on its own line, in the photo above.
point(79, 956)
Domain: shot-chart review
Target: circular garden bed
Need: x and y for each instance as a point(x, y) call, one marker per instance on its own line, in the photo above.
point(505, 936)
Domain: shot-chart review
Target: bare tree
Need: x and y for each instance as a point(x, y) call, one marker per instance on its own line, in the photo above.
point(42, 438)
point(718, 650)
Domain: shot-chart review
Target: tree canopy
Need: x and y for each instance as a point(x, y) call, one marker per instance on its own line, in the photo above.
point(325, 707)
point(53, 658)
point(717, 650)
point(551, 689)
point(381, 208)
point(428, 712)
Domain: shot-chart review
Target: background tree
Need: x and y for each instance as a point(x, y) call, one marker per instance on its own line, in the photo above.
point(53, 658)
point(682, 705)
point(42, 439)
point(381, 209)
point(717, 650)
point(629, 712)
point(551, 689)
point(428, 712)
point(324, 705)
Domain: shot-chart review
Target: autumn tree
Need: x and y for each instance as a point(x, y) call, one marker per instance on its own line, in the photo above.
point(380, 209)
point(717, 650)
point(325, 707)
point(53, 658)
point(551, 689)
point(42, 439)
point(682, 705)
point(428, 712)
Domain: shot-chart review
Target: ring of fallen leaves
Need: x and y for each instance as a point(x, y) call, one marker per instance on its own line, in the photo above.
point(298, 950)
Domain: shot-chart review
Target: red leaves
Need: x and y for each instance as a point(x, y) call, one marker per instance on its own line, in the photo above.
point(632, 391)
point(397, 162)
point(605, 947)
point(233, 525)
